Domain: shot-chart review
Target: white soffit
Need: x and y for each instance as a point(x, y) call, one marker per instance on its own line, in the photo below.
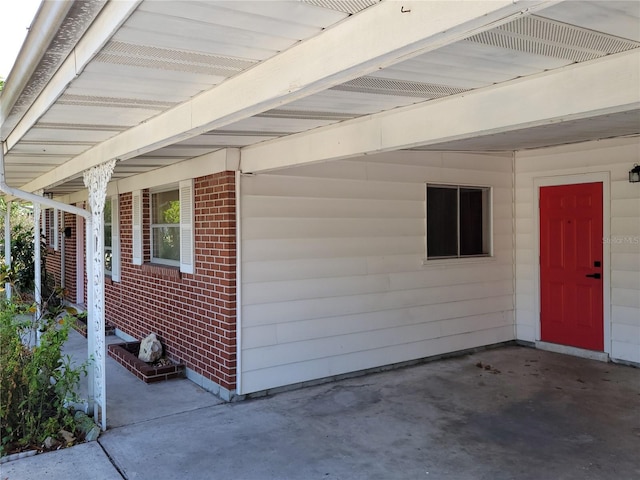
point(346, 6)
point(550, 38)
point(600, 127)
point(163, 55)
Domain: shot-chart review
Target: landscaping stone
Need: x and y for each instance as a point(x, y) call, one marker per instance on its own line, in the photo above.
point(50, 443)
point(150, 349)
point(87, 426)
point(68, 437)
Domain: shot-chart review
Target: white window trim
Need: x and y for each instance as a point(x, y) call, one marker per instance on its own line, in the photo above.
point(187, 248)
point(156, 260)
point(56, 227)
point(115, 239)
point(466, 259)
point(187, 207)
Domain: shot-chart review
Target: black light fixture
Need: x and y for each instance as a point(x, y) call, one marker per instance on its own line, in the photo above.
point(634, 174)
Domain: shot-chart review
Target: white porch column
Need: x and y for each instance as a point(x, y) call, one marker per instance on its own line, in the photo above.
point(37, 263)
point(7, 245)
point(96, 179)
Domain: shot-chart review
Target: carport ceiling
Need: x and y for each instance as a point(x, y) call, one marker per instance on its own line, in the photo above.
point(153, 57)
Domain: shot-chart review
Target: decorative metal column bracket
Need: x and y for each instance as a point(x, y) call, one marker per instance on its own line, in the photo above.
point(96, 180)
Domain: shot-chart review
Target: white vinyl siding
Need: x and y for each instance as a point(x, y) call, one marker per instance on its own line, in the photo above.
point(136, 233)
point(611, 157)
point(333, 274)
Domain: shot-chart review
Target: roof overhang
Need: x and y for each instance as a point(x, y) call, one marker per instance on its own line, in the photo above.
point(152, 84)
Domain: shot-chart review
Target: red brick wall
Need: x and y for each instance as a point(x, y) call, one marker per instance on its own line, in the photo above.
point(53, 257)
point(194, 315)
point(70, 256)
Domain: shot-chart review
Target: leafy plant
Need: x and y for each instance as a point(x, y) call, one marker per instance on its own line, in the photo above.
point(21, 274)
point(36, 382)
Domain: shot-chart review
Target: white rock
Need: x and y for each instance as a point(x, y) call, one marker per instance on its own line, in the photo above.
point(150, 349)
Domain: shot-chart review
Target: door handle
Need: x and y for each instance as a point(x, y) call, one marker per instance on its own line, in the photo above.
point(593, 275)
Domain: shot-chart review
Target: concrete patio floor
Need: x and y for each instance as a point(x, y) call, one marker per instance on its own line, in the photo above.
point(532, 414)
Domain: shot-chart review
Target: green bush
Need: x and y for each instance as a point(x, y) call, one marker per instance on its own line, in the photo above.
point(36, 382)
point(21, 274)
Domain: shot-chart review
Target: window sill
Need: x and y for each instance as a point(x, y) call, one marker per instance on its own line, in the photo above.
point(456, 262)
point(164, 271)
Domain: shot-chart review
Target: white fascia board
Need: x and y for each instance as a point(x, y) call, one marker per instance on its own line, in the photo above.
point(226, 159)
point(377, 37)
point(207, 164)
point(603, 86)
point(101, 30)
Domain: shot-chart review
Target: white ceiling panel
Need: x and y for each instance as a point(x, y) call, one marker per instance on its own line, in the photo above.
point(180, 42)
point(298, 12)
point(206, 29)
point(184, 151)
point(167, 52)
point(354, 103)
point(596, 128)
point(99, 116)
point(619, 18)
point(39, 134)
point(221, 139)
point(275, 125)
point(69, 148)
point(218, 13)
point(151, 74)
point(51, 160)
point(116, 85)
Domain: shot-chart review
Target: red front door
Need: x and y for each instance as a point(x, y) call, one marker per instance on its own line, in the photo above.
point(571, 270)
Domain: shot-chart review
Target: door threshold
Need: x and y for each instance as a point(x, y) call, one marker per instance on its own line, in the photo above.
point(574, 351)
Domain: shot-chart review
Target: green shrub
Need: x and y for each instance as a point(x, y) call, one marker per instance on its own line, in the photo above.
point(36, 382)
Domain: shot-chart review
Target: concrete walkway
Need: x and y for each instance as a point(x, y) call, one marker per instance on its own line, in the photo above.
point(526, 414)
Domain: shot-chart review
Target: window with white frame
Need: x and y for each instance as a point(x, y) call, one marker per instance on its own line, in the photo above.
point(170, 226)
point(165, 227)
point(458, 221)
point(50, 227)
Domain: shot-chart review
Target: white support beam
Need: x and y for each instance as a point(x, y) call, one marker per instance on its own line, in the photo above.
point(377, 37)
point(604, 86)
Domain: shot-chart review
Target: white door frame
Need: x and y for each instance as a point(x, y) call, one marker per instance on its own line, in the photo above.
point(604, 178)
point(79, 260)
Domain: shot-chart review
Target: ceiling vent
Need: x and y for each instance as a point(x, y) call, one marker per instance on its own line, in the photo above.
point(250, 133)
point(385, 86)
point(306, 115)
point(95, 101)
point(80, 126)
point(550, 38)
point(122, 53)
point(345, 6)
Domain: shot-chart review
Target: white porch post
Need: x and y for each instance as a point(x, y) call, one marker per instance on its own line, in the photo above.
point(37, 265)
point(7, 245)
point(96, 179)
